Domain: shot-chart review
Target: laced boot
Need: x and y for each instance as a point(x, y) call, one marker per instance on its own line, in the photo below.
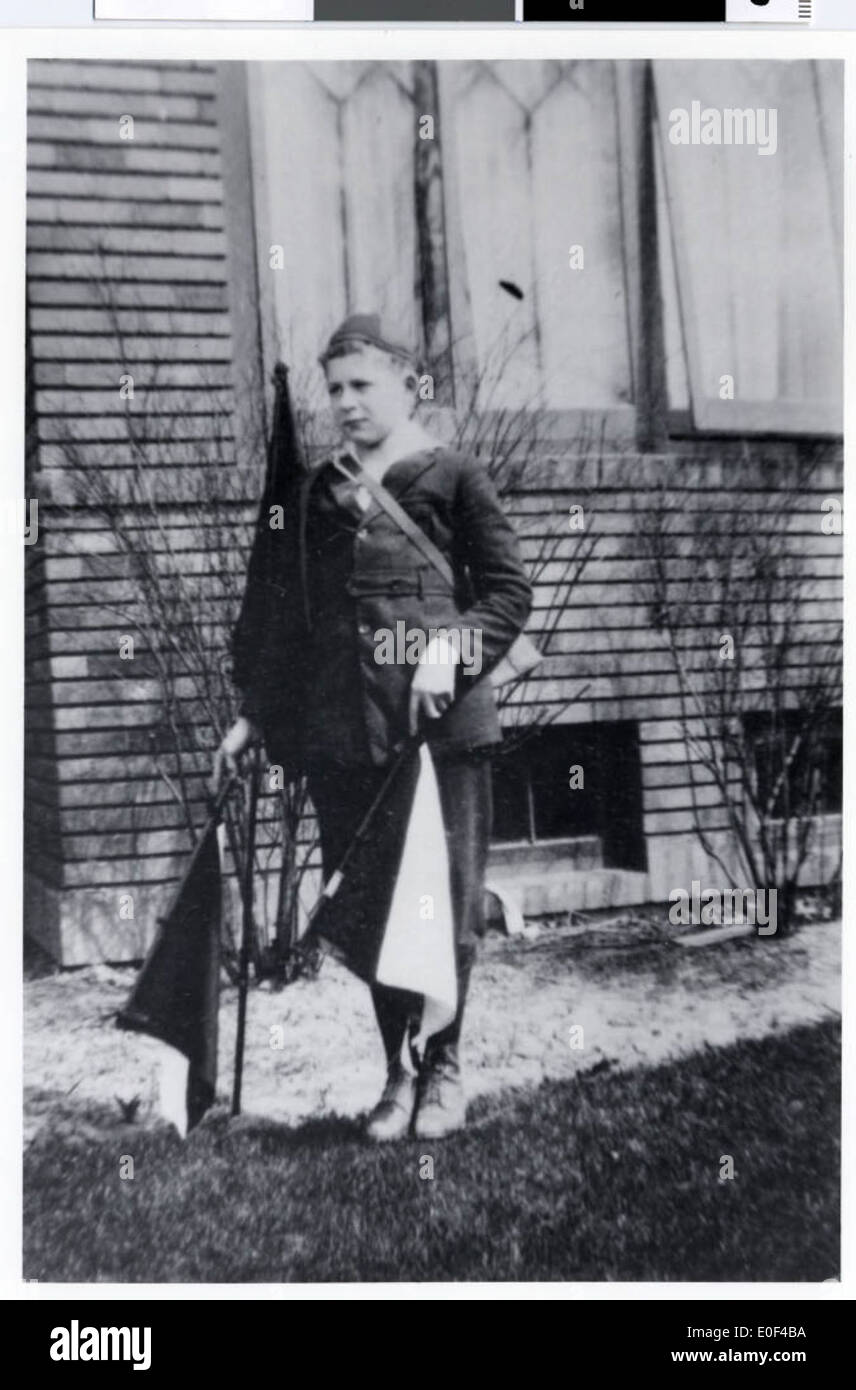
point(441, 1106)
point(391, 1117)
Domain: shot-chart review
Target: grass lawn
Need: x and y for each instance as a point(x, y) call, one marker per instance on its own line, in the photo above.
point(607, 1177)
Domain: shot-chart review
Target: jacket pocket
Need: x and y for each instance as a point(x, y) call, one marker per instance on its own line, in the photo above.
point(366, 583)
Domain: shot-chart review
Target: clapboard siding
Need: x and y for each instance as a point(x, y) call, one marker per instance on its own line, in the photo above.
point(127, 272)
point(608, 663)
point(94, 716)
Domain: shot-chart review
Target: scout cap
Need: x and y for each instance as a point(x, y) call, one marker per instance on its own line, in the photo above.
point(367, 329)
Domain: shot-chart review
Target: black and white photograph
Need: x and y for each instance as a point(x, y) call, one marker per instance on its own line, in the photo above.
point(433, 671)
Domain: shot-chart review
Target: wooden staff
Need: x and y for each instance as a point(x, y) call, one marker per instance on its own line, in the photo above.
point(247, 930)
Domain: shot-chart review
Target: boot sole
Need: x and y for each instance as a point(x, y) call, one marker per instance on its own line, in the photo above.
point(455, 1128)
point(387, 1138)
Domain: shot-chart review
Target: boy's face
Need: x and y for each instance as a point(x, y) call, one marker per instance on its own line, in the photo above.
point(369, 395)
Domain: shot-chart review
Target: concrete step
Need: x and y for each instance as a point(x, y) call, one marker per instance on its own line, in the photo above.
point(522, 857)
point(541, 893)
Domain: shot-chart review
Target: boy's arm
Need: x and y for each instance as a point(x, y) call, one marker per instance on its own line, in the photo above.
point(487, 542)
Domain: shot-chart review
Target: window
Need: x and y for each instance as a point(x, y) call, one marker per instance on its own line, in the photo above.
point(797, 762)
point(511, 242)
point(750, 244)
point(463, 239)
point(334, 163)
point(533, 799)
point(532, 169)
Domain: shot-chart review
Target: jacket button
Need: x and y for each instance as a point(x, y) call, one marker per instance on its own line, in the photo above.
point(363, 629)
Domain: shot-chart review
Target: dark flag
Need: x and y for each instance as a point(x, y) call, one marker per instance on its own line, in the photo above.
point(271, 614)
point(177, 993)
point(355, 901)
point(176, 996)
point(386, 912)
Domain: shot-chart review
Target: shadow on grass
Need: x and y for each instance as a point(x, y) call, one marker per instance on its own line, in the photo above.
point(613, 1176)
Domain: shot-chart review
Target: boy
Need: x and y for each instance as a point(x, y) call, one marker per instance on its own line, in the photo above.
point(317, 674)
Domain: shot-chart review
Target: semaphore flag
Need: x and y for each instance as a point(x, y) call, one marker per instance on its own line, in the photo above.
point(269, 622)
point(417, 949)
point(386, 912)
point(177, 992)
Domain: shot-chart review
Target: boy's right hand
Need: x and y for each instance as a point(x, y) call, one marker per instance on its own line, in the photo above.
point(239, 737)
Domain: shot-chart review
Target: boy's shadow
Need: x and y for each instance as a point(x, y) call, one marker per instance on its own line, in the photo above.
point(315, 1132)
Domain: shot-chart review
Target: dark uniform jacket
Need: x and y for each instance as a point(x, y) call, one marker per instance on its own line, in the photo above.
point(341, 575)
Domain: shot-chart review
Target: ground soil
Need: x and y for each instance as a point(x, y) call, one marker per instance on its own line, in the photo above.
point(637, 995)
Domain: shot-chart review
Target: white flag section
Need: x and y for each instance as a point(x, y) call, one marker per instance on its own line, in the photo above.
point(171, 1086)
point(418, 948)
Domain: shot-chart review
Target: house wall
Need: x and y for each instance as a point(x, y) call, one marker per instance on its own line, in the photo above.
point(127, 273)
point(146, 219)
point(611, 664)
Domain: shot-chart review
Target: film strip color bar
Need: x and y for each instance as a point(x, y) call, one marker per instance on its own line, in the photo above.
point(685, 12)
point(572, 11)
point(589, 11)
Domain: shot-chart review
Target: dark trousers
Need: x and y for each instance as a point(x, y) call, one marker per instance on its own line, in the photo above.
point(341, 796)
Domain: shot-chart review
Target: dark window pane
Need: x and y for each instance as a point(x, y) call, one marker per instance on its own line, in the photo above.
point(510, 811)
point(608, 805)
point(798, 763)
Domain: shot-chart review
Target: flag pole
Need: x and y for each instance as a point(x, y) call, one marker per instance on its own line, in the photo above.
point(246, 931)
point(334, 882)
